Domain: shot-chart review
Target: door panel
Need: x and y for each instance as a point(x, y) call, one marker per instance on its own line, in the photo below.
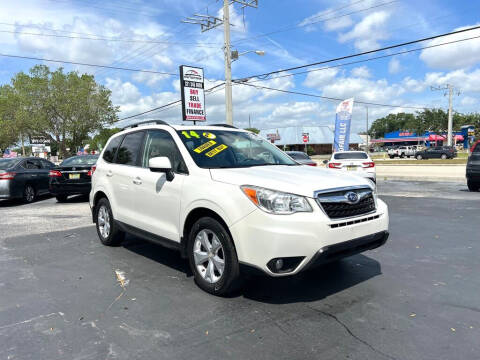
point(160, 199)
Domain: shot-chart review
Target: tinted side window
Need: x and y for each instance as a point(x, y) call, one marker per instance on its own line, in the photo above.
point(160, 143)
point(129, 152)
point(47, 164)
point(109, 153)
point(32, 164)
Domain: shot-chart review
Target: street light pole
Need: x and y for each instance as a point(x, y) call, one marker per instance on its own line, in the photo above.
point(228, 63)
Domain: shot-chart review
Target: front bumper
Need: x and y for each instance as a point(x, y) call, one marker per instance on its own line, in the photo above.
point(311, 237)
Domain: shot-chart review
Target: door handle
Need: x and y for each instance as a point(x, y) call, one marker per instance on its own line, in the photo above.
point(109, 173)
point(137, 181)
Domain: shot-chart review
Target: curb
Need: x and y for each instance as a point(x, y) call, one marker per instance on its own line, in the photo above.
point(422, 179)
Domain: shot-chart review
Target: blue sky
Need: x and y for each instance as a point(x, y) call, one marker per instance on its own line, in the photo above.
point(291, 32)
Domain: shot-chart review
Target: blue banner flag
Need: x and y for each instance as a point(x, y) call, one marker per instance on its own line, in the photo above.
point(342, 125)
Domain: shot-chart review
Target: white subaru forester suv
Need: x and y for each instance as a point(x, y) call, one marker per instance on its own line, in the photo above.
point(230, 201)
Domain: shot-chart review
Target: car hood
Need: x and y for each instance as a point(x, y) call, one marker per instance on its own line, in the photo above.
point(301, 180)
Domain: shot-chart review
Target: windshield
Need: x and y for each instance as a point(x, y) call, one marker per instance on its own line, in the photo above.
point(8, 163)
point(298, 155)
point(215, 149)
point(80, 160)
point(352, 155)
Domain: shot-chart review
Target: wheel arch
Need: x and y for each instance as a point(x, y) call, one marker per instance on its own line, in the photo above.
point(98, 195)
point(192, 217)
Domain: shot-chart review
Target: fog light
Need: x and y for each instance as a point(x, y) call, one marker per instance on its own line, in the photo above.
point(278, 264)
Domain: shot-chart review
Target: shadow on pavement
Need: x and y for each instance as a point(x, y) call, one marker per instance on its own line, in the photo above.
point(310, 285)
point(18, 202)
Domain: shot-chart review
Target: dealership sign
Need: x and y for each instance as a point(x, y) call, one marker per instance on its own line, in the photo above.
point(273, 137)
point(193, 96)
point(342, 125)
point(305, 137)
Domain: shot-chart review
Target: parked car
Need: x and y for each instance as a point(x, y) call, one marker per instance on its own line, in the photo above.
point(229, 200)
point(355, 162)
point(72, 177)
point(402, 151)
point(437, 152)
point(24, 178)
point(301, 158)
point(473, 168)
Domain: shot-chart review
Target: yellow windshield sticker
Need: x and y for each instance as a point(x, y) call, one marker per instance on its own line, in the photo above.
point(191, 134)
point(217, 150)
point(205, 146)
point(209, 135)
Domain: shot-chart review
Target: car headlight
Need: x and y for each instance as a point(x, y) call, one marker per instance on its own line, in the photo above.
point(276, 202)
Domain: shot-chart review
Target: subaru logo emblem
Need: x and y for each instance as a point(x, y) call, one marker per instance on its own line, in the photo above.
point(352, 197)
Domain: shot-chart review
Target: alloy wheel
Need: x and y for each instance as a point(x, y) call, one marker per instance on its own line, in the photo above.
point(29, 193)
point(209, 256)
point(103, 222)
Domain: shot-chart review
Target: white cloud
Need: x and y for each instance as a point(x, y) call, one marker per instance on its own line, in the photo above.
point(320, 78)
point(463, 54)
point(338, 23)
point(149, 78)
point(123, 92)
point(461, 79)
point(368, 32)
point(468, 101)
point(394, 66)
point(361, 71)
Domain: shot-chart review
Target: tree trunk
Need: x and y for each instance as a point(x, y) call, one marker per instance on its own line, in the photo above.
point(23, 146)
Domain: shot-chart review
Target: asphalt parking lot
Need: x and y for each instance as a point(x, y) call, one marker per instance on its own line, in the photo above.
point(65, 296)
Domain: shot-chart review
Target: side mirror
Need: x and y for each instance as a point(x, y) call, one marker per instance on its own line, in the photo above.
point(325, 162)
point(162, 164)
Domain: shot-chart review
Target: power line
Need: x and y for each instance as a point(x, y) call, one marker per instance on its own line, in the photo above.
point(86, 64)
point(206, 45)
point(302, 24)
point(210, 90)
point(264, 75)
point(331, 98)
point(361, 61)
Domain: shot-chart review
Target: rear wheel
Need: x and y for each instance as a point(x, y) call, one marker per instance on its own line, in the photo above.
point(443, 157)
point(402, 156)
point(419, 157)
point(391, 156)
point(61, 198)
point(29, 194)
point(473, 185)
point(212, 257)
point(107, 229)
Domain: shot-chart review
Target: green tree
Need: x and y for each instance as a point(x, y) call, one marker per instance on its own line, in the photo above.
point(254, 130)
point(98, 142)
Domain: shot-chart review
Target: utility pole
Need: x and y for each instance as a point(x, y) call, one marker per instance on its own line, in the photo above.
point(228, 63)
point(450, 89)
point(249, 122)
point(208, 22)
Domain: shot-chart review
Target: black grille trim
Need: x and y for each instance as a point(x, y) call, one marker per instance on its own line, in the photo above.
point(353, 222)
point(336, 206)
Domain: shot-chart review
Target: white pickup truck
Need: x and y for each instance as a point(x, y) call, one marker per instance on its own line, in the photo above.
point(402, 151)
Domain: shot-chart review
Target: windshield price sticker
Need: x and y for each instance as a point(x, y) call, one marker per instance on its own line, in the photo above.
point(190, 134)
point(204, 146)
point(192, 91)
point(217, 150)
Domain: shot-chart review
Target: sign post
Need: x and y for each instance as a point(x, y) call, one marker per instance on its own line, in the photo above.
point(193, 95)
point(306, 139)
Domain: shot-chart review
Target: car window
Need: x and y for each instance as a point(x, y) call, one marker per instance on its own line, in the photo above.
point(47, 164)
point(32, 164)
point(110, 151)
point(160, 143)
point(8, 163)
point(80, 160)
point(352, 156)
point(129, 152)
point(298, 156)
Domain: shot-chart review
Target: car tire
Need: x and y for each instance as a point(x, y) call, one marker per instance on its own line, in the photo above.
point(29, 194)
point(61, 198)
point(107, 228)
point(419, 157)
point(213, 258)
point(402, 156)
point(473, 185)
point(391, 156)
point(444, 156)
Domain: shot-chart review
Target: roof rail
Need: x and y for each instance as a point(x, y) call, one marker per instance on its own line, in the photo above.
point(157, 122)
point(225, 125)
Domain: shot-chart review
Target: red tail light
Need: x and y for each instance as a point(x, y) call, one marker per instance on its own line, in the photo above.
point(334, 165)
point(312, 164)
point(368, 164)
point(92, 170)
point(7, 175)
point(54, 173)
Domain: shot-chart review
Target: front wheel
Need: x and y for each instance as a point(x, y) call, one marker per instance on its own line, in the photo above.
point(29, 194)
point(107, 229)
point(444, 156)
point(212, 257)
point(473, 185)
point(419, 157)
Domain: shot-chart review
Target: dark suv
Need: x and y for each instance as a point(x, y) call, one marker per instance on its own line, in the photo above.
point(437, 152)
point(473, 169)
